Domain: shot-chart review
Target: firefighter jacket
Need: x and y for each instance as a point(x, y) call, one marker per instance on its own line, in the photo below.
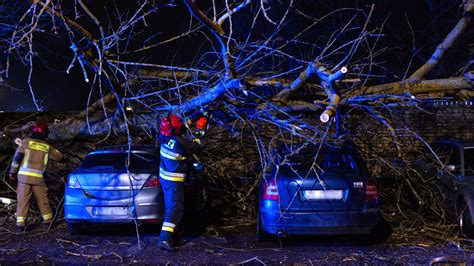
point(30, 160)
point(174, 154)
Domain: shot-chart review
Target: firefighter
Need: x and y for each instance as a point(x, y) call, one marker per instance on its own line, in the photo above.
point(175, 151)
point(27, 167)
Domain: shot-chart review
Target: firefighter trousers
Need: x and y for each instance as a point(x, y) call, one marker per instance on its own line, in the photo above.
point(24, 192)
point(174, 208)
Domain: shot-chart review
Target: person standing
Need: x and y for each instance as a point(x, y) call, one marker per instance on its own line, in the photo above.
point(175, 151)
point(27, 167)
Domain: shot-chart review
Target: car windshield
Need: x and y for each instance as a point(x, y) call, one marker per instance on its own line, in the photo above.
point(333, 160)
point(117, 161)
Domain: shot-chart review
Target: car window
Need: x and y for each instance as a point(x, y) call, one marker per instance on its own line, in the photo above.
point(448, 155)
point(469, 161)
point(117, 161)
point(327, 160)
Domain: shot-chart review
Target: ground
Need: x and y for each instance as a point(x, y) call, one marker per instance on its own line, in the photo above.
point(232, 244)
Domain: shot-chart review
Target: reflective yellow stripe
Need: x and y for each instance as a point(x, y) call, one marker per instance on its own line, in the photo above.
point(30, 174)
point(166, 173)
point(48, 216)
point(168, 156)
point(171, 157)
point(45, 161)
point(27, 157)
point(167, 228)
point(172, 225)
point(38, 146)
point(170, 178)
point(20, 219)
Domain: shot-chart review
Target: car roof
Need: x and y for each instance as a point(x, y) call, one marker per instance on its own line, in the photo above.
point(347, 147)
point(125, 148)
point(458, 142)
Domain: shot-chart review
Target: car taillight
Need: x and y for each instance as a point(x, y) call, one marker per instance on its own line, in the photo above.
point(152, 182)
point(72, 182)
point(270, 190)
point(371, 193)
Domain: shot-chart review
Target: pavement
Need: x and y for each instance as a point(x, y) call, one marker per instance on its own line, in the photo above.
point(234, 243)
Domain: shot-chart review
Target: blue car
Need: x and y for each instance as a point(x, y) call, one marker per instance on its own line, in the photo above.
point(115, 185)
point(317, 191)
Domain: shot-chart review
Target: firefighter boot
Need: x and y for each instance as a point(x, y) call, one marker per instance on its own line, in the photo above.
point(20, 229)
point(47, 225)
point(165, 245)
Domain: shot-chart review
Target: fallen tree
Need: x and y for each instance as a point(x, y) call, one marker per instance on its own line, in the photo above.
point(256, 86)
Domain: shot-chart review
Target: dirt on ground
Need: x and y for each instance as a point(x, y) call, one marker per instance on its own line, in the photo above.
point(233, 242)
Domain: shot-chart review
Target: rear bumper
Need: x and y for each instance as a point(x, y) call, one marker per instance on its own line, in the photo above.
point(147, 205)
point(322, 223)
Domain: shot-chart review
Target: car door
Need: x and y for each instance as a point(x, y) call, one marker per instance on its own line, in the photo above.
point(468, 189)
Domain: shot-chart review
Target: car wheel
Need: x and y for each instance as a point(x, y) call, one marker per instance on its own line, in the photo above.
point(75, 228)
point(262, 236)
point(465, 221)
point(380, 233)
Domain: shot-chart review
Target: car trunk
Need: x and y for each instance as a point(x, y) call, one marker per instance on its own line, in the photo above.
point(110, 186)
point(328, 192)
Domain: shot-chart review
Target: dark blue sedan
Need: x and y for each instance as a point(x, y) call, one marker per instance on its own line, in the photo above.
point(317, 191)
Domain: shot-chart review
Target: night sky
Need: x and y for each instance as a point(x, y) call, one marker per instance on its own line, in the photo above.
point(58, 91)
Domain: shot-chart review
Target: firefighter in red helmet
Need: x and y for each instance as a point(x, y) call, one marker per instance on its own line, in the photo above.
point(28, 166)
point(174, 153)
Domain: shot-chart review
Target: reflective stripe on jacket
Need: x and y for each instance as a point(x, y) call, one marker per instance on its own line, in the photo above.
point(174, 153)
point(31, 158)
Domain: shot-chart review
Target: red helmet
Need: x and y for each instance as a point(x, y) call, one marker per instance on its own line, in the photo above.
point(40, 128)
point(165, 126)
point(171, 125)
point(177, 125)
point(201, 123)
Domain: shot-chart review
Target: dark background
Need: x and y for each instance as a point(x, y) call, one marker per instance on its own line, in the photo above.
point(431, 20)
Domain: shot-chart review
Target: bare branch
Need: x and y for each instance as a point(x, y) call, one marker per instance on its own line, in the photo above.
point(447, 43)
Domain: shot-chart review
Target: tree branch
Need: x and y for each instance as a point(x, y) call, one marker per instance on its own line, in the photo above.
point(423, 87)
point(219, 33)
point(207, 97)
point(447, 43)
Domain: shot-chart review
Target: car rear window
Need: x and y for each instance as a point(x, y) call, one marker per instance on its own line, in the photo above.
point(118, 162)
point(327, 160)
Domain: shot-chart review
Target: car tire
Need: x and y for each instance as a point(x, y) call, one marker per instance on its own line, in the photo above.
point(262, 236)
point(75, 228)
point(465, 221)
point(379, 234)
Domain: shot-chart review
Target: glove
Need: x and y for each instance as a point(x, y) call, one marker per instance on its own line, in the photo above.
point(18, 141)
point(12, 177)
point(198, 133)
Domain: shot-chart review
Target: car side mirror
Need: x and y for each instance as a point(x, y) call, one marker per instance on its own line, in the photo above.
point(198, 166)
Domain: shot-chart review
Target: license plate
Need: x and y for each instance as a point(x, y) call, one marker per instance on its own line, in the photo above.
point(110, 211)
point(323, 194)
